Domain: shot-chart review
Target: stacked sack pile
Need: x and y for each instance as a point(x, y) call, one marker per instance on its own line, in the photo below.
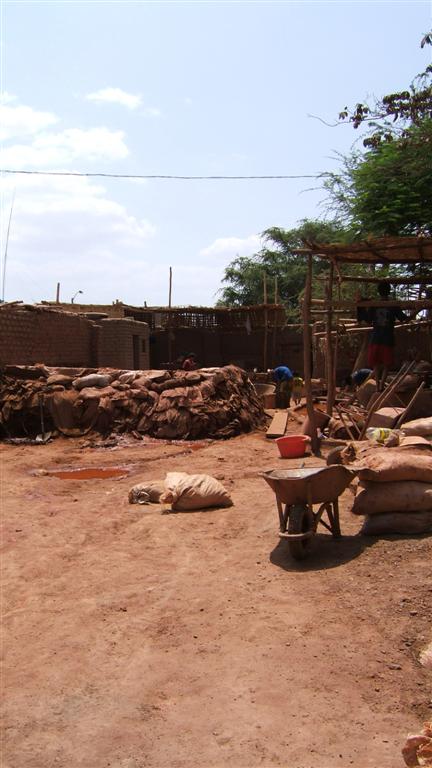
point(395, 489)
point(208, 403)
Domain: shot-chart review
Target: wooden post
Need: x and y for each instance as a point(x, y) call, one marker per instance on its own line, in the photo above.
point(169, 317)
point(329, 345)
point(58, 294)
point(307, 343)
point(384, 396)
point(275, 318)
point(265, 322)
point(404, 416)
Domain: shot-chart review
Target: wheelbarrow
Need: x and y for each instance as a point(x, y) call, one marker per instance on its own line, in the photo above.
point(297, 490)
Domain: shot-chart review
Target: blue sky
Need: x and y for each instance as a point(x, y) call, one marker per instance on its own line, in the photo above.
point(196, 88)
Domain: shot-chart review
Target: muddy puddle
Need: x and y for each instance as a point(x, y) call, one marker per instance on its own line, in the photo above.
point(84, 473)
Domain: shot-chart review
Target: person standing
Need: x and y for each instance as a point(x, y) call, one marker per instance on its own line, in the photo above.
point(297, 388)
point(381, 342)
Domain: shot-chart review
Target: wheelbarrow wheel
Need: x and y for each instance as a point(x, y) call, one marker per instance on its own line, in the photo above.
point(300, 521)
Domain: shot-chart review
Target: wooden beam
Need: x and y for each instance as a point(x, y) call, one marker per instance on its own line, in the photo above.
point(384, 396)
point(423, 280)
point(329, 343)
point(417, 304)
point(408, 409)
point(307, 347)
point(265, 352)
point(360, 328)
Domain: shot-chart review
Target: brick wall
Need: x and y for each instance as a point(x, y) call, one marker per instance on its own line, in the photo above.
point(219, 347)
point(35, 335)
point(123, 344)
point(29, 336)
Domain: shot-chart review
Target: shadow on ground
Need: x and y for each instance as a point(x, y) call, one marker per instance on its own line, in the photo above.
point(327, 552)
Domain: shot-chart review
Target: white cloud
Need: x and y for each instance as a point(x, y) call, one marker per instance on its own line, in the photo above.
point(69, 230)
point(6, 98)
point(116, 96)
point(152, 112)
point(16, 121)
point(229, 247)
point(51, 149)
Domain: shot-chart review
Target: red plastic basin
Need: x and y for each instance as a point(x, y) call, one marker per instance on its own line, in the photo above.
point(292, 446)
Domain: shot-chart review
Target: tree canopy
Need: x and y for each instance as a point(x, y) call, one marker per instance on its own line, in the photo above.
point(244, 277)
point(392, 115)
point(387, 190)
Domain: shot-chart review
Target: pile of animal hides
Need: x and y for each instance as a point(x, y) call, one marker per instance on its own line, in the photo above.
point(418, 748)
point(394, 493)
point(208, 403)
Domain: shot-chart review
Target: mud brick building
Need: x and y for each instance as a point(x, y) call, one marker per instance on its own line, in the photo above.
point(251, 337)
point(34, 334)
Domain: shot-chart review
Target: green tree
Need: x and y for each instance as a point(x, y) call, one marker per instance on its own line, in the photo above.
point(387, 190)
point(243, 278)
point(391, 116)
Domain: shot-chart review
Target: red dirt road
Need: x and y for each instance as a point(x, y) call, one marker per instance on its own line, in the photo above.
point(135, 639)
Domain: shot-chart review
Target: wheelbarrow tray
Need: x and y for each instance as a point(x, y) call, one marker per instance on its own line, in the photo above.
point(313, 486)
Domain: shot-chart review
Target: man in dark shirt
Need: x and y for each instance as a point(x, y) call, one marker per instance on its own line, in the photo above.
point(381, 342)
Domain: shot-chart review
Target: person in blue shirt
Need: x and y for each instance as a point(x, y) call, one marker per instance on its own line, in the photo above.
point(358, 377)
point(283, 377)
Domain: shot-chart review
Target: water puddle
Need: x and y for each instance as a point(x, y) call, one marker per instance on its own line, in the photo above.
point(85, 473)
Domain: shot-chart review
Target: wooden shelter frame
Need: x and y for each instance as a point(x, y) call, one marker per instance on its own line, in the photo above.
point(405, 251)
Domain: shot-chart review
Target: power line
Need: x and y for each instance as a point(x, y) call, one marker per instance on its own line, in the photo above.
point(164, 176)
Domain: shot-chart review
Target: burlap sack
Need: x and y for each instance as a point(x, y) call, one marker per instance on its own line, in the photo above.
point(185, 491)
point(386, 466)
point(405, 496)
point(397, 522)
point(92, 380)
point(148, 492)
point(418, 426)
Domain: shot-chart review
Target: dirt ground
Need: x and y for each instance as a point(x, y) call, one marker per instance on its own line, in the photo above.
point(136, 639)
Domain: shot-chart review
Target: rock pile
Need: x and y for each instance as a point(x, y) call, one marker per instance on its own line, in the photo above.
point(208, 403)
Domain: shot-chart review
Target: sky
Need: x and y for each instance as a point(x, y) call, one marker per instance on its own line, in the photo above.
point(177, 88)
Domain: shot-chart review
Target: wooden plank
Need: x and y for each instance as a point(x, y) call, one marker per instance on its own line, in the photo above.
point(421, 280)
point(278, 425)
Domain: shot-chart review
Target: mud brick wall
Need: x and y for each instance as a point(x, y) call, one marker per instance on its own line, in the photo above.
point(220, 347)
point(123, 343)
point(41, 336)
